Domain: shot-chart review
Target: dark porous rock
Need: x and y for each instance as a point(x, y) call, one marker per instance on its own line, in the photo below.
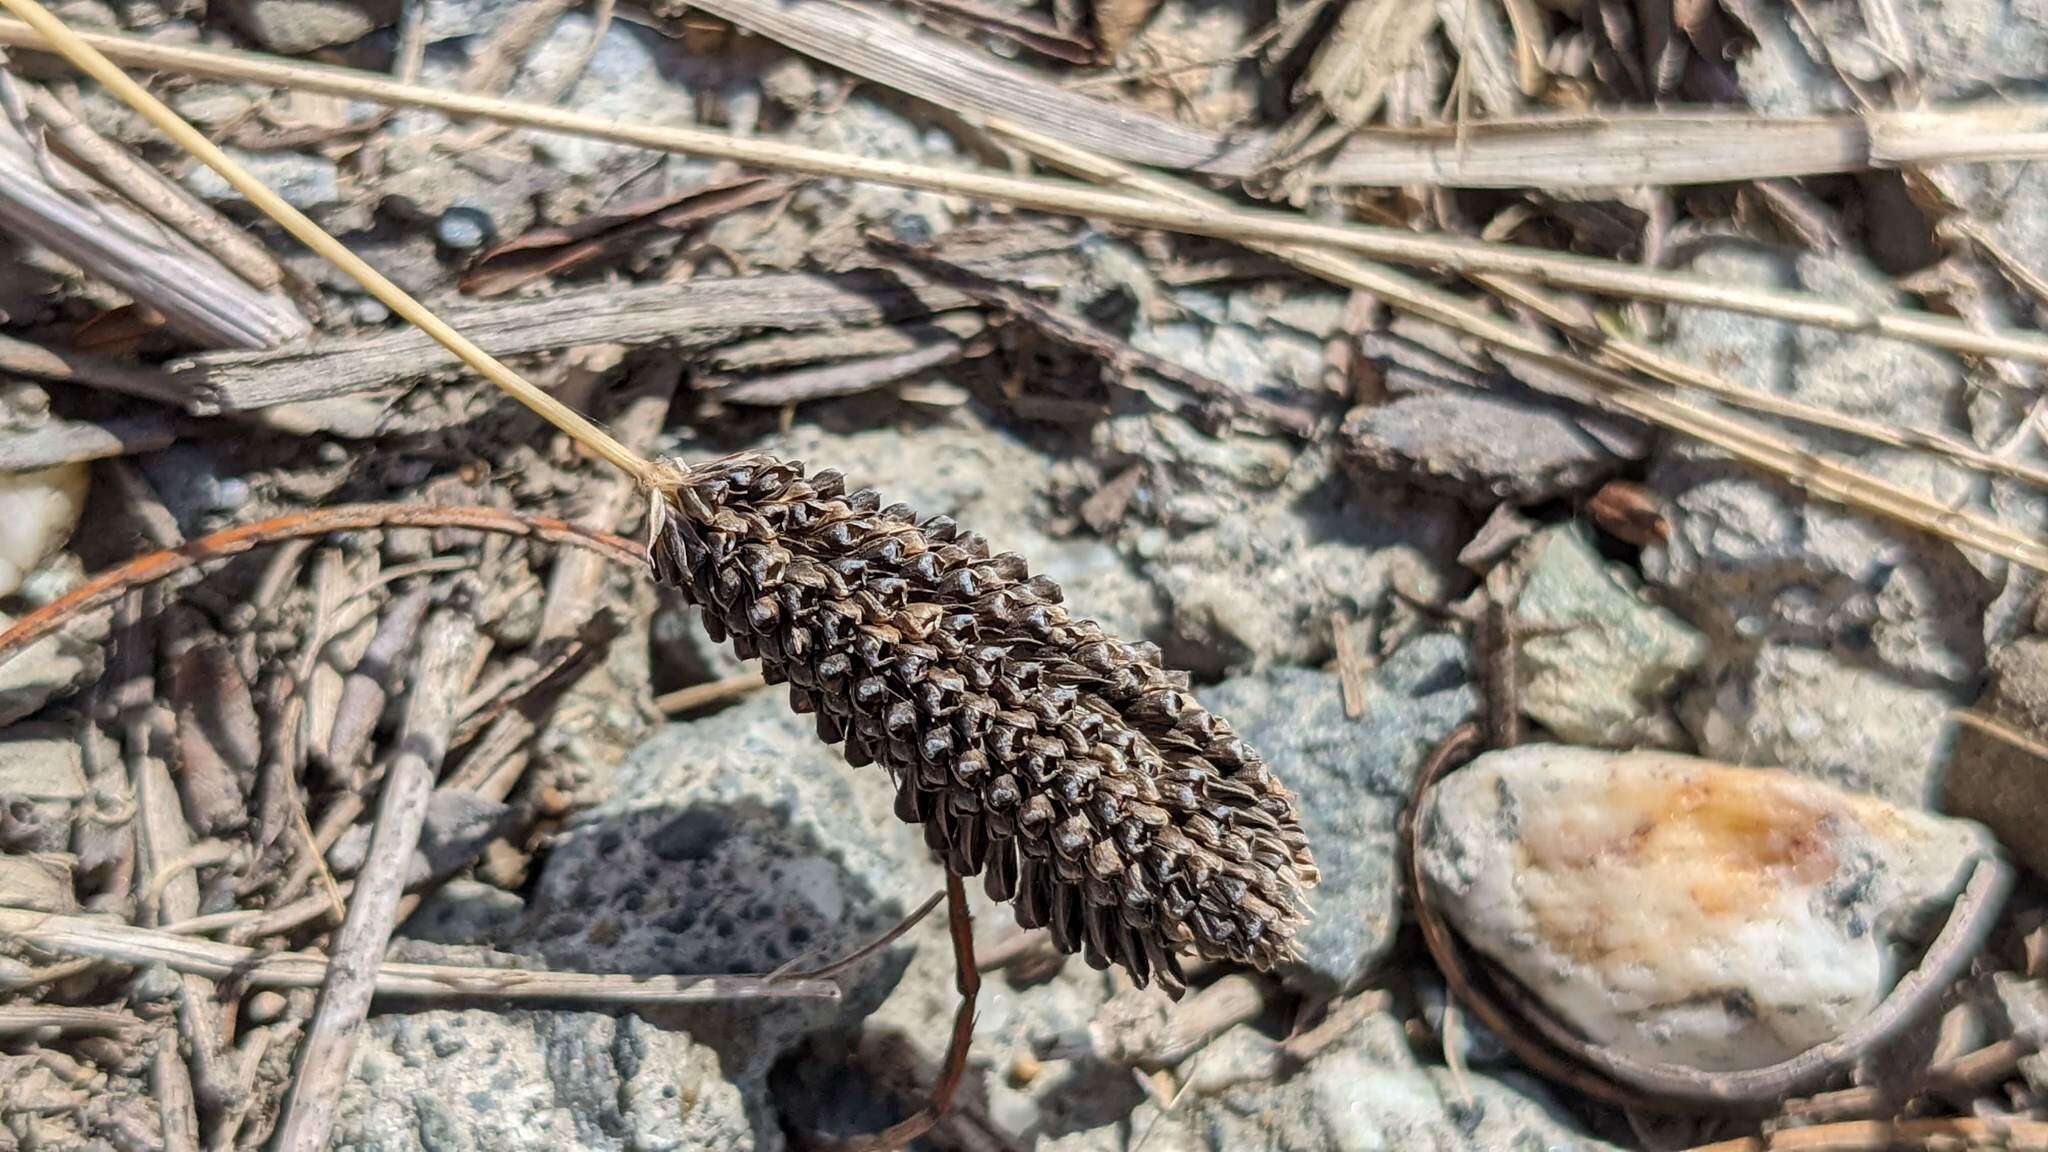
point(1478, 446)
point(735, 843)
point(1355, 777)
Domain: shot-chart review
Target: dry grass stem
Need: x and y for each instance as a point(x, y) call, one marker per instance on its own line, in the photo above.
point(1466, 257)
point(419, 984)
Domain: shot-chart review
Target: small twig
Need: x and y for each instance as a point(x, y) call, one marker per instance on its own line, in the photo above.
point(698, 696)
point(1118, 356)
point(35, 1018)
point(66, 366)
point(365, 690)
point(76, 441)
point(46, 200)
point(1188, 1025)
point(204, 854)
point(171, 1085)
point(107, 940)
point(916, 917)
point(2001, 731)
point(1500, 656)
point(88, 59)
point(112, 584)
point(1961, 1079)
point(1352, 664)
point(148, 188)
point(330, 1044)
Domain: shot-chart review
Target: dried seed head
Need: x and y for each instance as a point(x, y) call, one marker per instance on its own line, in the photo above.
point(1065, 764)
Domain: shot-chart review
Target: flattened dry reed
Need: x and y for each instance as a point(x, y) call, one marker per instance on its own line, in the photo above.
point(1065, 766)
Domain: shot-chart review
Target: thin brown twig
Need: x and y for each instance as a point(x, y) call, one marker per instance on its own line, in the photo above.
point(894, 934)
point(968, 979)
point(110, 585)
point(698, 696)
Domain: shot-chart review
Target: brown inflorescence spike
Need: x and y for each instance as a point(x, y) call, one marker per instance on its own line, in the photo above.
point(1067, 767)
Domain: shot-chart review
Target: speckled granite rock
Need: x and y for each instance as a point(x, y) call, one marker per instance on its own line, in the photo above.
point(1685, 911)
point(1355, 777)
point(477, 1081)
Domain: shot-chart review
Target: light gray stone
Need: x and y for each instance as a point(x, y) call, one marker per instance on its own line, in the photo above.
point(42, 881)
point(1815, 713)
point(295, 27)
point(42, 782)
point(1257, 584)
point(1943, 50)
point(1366, 1093)
point(1752, 560)
point(1684, 911)
point(1354, 778)
point(59, 664)
point(471, 1081)
point(635, 74)
point(458, 825)
point(466, 912)
point(306, 182)
point(1596, 661)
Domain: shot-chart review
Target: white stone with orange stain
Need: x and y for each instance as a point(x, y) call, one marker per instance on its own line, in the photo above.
point(1686, 911)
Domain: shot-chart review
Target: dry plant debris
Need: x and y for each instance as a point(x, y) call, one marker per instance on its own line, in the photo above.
point(1754, 294)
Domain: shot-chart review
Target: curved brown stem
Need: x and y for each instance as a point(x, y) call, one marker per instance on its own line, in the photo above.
point(113, 583)
point(968, 978)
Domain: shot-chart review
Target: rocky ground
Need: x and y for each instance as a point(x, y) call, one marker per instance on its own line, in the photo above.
point(1355, 527)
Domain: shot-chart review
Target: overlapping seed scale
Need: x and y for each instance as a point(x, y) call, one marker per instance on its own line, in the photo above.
point(1061, 763)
